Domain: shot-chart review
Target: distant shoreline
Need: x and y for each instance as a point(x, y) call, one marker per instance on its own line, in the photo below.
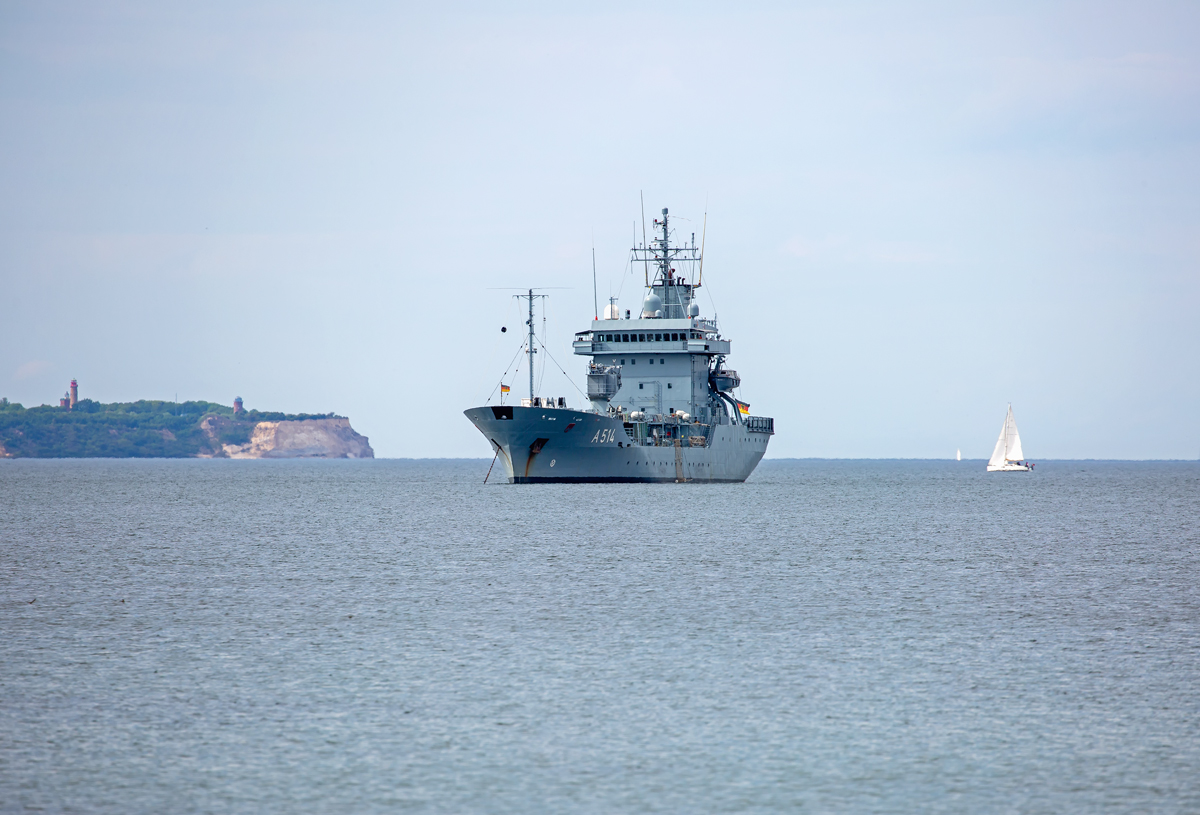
point(83, 428)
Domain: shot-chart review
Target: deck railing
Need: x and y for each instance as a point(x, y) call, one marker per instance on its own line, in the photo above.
point(760, 424)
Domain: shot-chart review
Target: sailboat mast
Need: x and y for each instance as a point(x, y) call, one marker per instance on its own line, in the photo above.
point(1008, 432)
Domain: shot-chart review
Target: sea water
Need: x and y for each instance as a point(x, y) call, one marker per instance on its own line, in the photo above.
point(395, 636)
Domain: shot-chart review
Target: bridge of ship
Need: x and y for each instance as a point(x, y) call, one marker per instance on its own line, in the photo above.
point(632, 336)
point(654, 351)
point(663, 363)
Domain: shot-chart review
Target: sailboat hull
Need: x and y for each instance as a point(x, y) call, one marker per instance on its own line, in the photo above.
point(1008, 467)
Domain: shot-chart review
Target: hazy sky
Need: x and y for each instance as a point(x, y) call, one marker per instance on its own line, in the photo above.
point(917, 213)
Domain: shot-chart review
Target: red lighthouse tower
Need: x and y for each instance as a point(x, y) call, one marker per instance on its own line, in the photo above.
point(74, 394)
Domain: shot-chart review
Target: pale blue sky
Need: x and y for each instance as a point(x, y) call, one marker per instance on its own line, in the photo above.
point(917, 214)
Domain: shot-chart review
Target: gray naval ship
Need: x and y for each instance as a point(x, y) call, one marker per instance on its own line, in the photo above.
point(661, 403)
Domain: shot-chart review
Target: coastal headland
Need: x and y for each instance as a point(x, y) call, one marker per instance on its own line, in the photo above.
point(83, 428)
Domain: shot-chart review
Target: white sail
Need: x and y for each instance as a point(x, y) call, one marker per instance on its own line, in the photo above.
point(958, 455)
point(1013, 438)
point(997, 459)
point(1008, 457)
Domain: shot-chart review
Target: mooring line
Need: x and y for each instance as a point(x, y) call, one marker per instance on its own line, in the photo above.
point(493, 464)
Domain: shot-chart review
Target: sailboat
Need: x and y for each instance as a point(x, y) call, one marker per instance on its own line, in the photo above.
point(1007, 457)
point(958, 455)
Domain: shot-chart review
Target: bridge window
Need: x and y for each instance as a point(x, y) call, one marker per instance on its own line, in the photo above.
point(657, 337)
point(624, 338)
point(641, 337)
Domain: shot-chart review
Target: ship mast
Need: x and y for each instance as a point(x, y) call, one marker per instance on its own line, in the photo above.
point(530, 297)
point(665, 256)
point(664, 263)
point(532, 350)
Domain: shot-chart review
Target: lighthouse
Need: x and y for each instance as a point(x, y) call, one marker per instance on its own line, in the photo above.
point(74, 394)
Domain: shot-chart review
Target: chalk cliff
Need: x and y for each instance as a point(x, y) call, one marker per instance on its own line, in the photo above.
point(306, 438)
point(149, 428)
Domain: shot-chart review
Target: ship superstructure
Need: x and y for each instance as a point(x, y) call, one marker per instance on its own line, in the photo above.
point(661, 397)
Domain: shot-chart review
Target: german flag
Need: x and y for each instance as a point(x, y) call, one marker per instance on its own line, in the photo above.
point(743, 408)
point(505, 388)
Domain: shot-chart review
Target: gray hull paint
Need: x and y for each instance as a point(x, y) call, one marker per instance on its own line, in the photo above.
point(597, 449)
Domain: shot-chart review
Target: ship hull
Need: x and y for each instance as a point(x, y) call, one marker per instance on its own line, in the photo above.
point(562, 446)
point(1008, 467)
